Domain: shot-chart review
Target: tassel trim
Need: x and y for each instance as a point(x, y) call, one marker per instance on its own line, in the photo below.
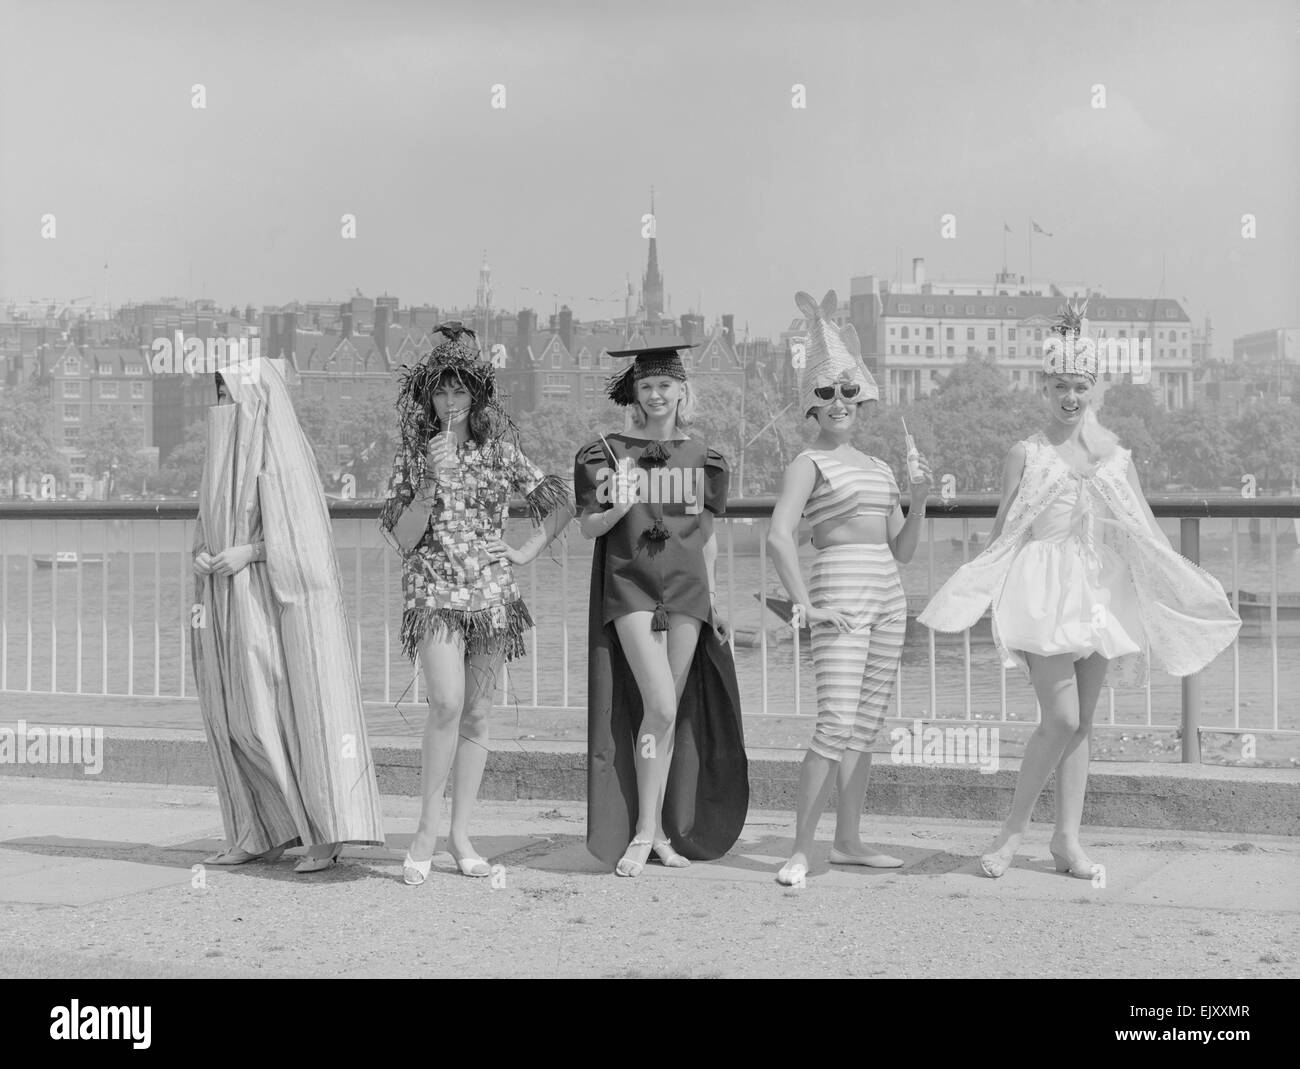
point(659, 621)
point(393, 507)
point(654, 455)
point(620, 388)
point(487, 631)
point(549, 495)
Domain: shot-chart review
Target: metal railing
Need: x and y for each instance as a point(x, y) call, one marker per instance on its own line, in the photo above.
point(115, 621)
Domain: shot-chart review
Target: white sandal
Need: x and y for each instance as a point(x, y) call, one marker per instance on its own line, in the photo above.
point(472, 866)
point(415, 872)
point(627, 865)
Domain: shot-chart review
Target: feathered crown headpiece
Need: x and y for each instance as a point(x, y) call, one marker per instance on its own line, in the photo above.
point(1071, 352)
point(456, 355)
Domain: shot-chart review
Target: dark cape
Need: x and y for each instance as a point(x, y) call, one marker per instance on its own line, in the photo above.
point(707, 795)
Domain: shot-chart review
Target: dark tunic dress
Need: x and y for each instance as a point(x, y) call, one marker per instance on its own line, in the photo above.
point(653, 561)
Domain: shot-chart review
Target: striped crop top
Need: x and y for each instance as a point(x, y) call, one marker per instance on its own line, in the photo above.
point(845, 490)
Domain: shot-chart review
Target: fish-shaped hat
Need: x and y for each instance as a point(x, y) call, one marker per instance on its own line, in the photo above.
point(834, 355)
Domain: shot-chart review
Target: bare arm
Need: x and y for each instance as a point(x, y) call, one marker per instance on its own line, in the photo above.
point(600, 522)
point(1012, 470)
point(905, 534)
point(798, 483)
point(550, 529)
point(710, 550)
point(414, 521)
point(622, 489)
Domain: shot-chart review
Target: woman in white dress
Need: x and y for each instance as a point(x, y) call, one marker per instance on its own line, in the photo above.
point(1083, 583)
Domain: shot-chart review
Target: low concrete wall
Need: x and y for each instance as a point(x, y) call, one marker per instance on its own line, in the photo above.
point(1208, 798)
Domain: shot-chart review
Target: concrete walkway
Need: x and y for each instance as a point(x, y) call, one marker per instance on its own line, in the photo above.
point(100, 880)
point(541, 754)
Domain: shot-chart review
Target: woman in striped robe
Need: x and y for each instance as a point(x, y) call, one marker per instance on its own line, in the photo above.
point(277, 678)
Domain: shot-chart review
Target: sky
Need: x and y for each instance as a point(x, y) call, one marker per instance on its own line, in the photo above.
point(383, 110)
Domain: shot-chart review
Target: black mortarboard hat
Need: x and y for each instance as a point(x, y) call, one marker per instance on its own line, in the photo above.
point(654, 360)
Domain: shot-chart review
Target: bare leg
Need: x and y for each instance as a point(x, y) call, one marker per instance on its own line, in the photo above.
point(1054, 683)
point(816, 776)
point(660, 662)
point(482, 673)
point(1072, 769)
point(443, 662)
point(854, 774)
point(879, 675)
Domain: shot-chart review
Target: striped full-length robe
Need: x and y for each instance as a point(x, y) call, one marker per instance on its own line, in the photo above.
point(276, 672)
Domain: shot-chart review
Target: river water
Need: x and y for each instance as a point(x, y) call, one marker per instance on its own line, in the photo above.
point(148, 599)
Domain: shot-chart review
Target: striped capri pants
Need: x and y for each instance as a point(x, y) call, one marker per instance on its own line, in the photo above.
point(856, 669)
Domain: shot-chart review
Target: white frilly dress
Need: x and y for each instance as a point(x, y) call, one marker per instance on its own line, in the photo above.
point(1078, 570)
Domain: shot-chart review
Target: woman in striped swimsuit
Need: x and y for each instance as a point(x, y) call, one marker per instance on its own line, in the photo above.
point(854, 604)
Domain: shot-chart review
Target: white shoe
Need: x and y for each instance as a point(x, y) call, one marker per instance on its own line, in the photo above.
point(414, 872)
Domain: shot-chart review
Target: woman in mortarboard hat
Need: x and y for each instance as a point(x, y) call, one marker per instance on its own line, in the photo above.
point(854, 604)
point(274, 664)
point(1085, 588)
point(666, 768)
point(457, 464)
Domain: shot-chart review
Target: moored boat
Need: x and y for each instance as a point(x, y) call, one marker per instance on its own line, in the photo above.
point(67, 560)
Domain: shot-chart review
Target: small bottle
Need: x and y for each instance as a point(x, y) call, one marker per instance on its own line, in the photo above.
point(913, 456)
point(623, 485)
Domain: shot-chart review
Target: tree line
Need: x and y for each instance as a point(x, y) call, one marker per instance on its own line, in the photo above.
point(964, 428)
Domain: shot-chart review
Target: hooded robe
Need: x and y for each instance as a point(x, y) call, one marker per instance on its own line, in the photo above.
point(276, 672)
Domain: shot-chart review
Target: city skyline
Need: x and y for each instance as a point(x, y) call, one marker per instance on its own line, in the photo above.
point(982, 113)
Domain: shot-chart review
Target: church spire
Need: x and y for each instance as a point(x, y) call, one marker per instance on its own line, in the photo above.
point(652, 283)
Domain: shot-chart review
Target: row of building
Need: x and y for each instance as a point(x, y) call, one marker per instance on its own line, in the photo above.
point(912, 336)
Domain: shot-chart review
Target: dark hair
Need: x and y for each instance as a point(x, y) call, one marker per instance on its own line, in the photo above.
point(482, 422)
point(221, 383)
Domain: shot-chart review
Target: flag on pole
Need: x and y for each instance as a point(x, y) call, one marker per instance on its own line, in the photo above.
point(1007, 229)
point(1039, 230)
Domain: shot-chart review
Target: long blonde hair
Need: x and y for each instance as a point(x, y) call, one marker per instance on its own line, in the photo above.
point(1098, 440)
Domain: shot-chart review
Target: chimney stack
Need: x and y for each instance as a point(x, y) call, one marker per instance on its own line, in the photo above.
point(381, 329)
point(918, 270)
point(692, 326)
point(525, 322)
point(347, 322)
point(566, 327)
point(729, 330)
point(289, 344)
